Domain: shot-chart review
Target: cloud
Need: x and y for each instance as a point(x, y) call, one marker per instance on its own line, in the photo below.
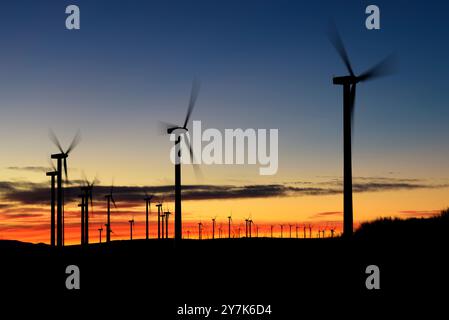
point(326, 214)
point(420, 213)
point(27, 193)
point(30, 168)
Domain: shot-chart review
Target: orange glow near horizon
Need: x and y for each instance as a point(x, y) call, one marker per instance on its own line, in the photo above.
point(321, 212)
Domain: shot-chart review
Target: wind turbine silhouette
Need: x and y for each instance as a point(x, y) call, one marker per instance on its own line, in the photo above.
point(229, 226)
point(87, 189)
point(52, 174)
point(61, 160)
point(147, 212)
point(82, 205)
point(349, 84)
point(131, 225)
point(100, 230)
point(159, 215)
point(332, 231)
point(213, 227)
point(200, 230)
point(109, 199)
point(179, 131)
point(167, 215)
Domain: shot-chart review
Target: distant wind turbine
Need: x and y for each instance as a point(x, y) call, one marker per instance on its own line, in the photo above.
point(147, 212)
point(109, 198)
point(61, 160)
point(52, 174)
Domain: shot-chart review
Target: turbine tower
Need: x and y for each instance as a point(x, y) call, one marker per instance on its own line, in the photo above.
point(61, 160)
point(109, 199)
point(52, 174)
point(147, 212)
point(167, 215)
point(100, 230)
point(131, 225)
point(200, 230)
point(87, 189)
point(82, 206)
point(349, 83)
point(229, 226)
point(213, 228)
point(159, 215)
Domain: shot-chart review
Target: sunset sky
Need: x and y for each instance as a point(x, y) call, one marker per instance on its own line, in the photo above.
point(262, 64)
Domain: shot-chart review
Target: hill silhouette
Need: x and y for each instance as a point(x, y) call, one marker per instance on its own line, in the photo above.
point(396, 229)
point(258, 270)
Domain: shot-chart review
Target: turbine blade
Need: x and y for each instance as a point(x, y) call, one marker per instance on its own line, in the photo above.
point(74, 143)
point(384, 68)
point(193, 97)
point(335, 39)
point(55, 140)
point(196, 167)
point(113, 202)
point(65, 170)
point(52, 165)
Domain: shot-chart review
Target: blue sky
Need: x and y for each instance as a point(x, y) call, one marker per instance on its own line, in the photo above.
point(263, 64)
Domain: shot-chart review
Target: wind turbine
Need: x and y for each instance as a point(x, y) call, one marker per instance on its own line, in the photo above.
point(162, 225)
point(159, 215)
point(87, 189)
point(61, 160)
point(131, 225)
point(109, 199)
point(100, 230)
point(229, 226)
point(179, 131)
point(250, 223)
point(349, 83)
point(272, 230)
point(200, 230)
point(167, 215)
point(52, 174)
point(82, 205)
point(332, 231)
point(282, 230)
point(297, 235)
point(213, 227)
point(148, 210)
point(290, 226)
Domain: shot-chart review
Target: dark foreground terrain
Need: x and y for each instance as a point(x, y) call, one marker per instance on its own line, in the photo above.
point(295, 276)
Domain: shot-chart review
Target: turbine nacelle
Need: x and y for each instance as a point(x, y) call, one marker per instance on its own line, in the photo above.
point(177, 130)
point(59, 156)
point(346, 80)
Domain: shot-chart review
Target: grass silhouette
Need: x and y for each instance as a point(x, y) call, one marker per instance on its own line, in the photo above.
point(396, 229)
